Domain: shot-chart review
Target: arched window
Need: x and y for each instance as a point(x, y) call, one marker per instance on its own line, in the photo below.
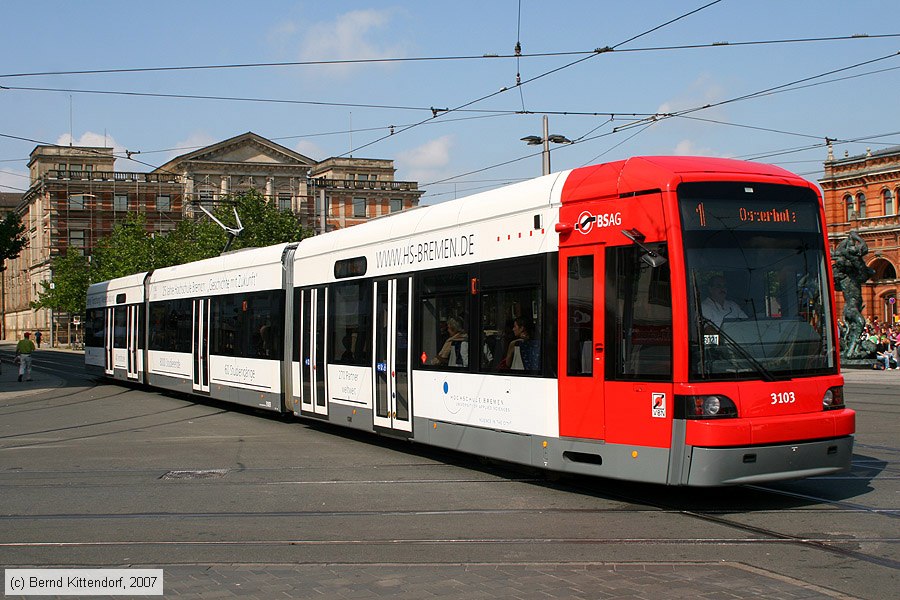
point(861, 205)
point(849, 210)
point(888, 197)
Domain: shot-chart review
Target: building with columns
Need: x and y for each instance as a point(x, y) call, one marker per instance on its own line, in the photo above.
point(861, 193)
point(76, 197)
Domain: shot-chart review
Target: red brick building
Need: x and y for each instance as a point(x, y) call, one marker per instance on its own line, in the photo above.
point(862, 193)
point(75, 198)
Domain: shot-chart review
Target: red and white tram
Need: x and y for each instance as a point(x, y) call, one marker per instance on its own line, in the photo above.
point(577, 322)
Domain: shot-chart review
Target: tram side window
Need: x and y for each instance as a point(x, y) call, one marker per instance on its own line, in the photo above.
point(248, 325)
point(638, 316)
point(141, 326)
point(120, 320)
point(95, 328)
point(171, 325)
point(351, 314)
point(580, 316)
point(512, 324)
point(443, 339)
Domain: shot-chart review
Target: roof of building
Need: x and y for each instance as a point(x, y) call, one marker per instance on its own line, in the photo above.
point(9, 200)
point(891, 151)
point(219, 152)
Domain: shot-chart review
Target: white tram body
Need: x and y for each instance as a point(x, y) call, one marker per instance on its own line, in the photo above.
point(116, 352)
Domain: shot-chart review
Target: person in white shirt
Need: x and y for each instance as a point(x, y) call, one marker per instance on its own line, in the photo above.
point(716, 306)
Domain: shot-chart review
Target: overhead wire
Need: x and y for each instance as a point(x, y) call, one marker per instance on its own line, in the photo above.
point(479, 57)
point(598, 52)
point(653, 119)
point(518, 53)
point(645, 123)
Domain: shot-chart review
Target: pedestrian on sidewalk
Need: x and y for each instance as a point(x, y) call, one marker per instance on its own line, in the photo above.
point(37, 337)
point(24, 349)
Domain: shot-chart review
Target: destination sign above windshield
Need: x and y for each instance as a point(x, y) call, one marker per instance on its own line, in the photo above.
point(748, 206)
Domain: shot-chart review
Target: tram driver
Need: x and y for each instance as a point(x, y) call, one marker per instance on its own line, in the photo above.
point(716, 306)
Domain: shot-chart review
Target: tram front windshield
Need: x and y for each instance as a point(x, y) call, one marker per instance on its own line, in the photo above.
point(757, 281)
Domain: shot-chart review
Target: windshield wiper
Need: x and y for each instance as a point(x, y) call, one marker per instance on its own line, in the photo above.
point(766, 374)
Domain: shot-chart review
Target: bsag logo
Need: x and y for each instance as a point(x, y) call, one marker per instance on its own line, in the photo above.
point(587, 220)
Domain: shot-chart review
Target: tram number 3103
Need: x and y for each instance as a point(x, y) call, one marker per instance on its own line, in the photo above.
point(783, 398)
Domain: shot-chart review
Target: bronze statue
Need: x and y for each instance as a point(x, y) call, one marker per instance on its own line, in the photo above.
point(850, 272)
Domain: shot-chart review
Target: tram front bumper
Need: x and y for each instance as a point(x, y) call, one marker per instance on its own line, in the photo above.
point(757, 464)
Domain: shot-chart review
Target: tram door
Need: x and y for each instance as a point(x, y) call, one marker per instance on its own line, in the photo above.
point(108, 342)
point(200, 344)
point(392, 360)
point(133, 340)
point(313, 351)
point(582, 342)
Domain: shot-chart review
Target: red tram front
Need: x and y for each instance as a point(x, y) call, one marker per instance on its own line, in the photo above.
point(696, 324)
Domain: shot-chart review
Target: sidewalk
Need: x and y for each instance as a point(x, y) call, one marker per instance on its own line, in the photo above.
point(11, 388)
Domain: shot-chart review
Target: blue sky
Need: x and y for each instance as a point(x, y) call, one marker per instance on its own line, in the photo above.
point(460, 151)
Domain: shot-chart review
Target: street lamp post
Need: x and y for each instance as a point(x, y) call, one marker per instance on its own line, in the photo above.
point(533, 140)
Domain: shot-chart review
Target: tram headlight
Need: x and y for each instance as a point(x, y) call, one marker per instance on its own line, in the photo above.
point(713, 406)
point(833, 398)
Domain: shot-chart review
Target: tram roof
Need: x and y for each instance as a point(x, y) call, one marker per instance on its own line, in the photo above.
point(240, 259)
point(643, 173)
point(120, 283)
point(532, 195)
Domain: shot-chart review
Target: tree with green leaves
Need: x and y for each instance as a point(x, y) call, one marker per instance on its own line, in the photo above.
point(264, 223)
point(13, 238)
point(130, 248)
point(68, 292)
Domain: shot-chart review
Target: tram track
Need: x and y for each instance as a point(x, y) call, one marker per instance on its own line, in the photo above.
point(825, 544)
point(644, 501)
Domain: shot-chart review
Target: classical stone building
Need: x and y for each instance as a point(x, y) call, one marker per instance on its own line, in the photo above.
point(358, 189)
point(76, 196)
point(861, 193)
point(244, 162)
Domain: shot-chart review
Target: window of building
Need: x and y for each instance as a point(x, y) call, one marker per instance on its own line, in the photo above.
point(207, 196)
point(163, 202)
point(396, 204)
point(849, 209)
point(76, 202)
point(861, 205)
point(120, 202)
point(888, 202)
point(76, 240)
point(284, 201)
point(359, 207)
